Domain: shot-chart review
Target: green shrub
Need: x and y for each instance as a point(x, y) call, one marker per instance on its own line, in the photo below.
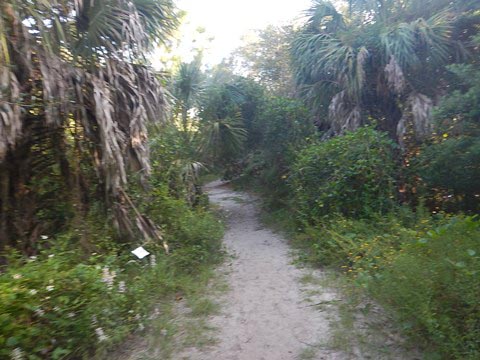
point(357, 245)
point(280, 128)
point(453, 166)
point(67, 303)
point(59, 306)
point(425, 269)
point(183, 227)
point(449, 165)
point(433, 284)
point(286, 127)
point(353, 175)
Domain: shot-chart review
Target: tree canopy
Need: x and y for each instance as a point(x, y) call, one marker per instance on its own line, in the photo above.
point(380, 59)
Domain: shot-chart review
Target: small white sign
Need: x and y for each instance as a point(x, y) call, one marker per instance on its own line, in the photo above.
point(140, 252)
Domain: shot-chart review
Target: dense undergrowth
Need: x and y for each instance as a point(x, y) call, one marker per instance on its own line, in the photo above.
point(425, 270)
point(398, 218)
point(85, 292)
point(341, 207)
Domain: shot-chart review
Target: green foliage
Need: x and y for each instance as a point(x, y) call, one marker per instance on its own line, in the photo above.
point(197, 231)
point(175, 163)
point(226, 120)
point(424, 269)
point(265, 58)
point(381, 59)
point(222, 140)
point(459, 111)
point(453, 166)
point(352, 244)
point(68, 303)
point(188, 83)
point(433, 283)
point(353, 175)
point(449, 165)
point(187, 88)
point(285, 127)
point(53, 305)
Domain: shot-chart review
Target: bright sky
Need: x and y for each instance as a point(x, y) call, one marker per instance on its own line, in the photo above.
point(226, 21)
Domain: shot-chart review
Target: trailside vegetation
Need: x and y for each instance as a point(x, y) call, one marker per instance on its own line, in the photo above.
point(92, 166)
point(359, 124)
point(372, 159)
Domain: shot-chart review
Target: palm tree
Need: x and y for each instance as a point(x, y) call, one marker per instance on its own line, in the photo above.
point(382, 59)
point(223, 139)
point(222, 126)
point(188, 87)
point(76, 95)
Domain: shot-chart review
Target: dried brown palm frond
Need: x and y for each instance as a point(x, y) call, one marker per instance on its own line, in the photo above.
point(343, 115)
point(395, 76)
point(421, 106)
point(78, 66)
point(418, 115)
point(10, 123)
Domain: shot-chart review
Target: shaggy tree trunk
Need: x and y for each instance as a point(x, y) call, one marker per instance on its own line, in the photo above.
point(75, 101)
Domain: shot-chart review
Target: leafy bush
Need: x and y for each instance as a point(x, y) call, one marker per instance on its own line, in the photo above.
point(67, 303)
point(454, 167)
point(459, 108)
point(425, 269)
point(353, 175)
point(449, 166)
point(357, 245)
point(341, 242)
point(285, 127)
point(59, 306)
point(433, 284)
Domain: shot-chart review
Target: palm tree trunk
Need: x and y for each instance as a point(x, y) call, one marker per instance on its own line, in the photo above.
point(186, 136)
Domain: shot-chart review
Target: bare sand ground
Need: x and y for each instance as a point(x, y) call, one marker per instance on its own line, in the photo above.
point(264, 316)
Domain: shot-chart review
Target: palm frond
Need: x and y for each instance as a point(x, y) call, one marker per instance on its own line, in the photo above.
point(77, 67)
point(189, 83)
point(323, 16)
point(395, 77)
point(344, 115)
point(327, 63)
point(419, 41)
point(223, 139)
point(418, 116)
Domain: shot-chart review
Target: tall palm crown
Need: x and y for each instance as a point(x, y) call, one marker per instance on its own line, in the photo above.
point(380, 59)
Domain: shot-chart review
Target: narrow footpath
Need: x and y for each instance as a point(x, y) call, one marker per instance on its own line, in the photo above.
point(272, 310)
point(264, 314)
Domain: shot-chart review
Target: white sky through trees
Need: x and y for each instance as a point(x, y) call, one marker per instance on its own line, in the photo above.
point(226, 21)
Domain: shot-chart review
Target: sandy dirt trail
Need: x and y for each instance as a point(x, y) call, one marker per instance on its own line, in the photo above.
point(264, 315)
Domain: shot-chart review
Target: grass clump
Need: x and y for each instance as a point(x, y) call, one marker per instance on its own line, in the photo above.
point(426, 272)
point(69, 303)
point(433, 283)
